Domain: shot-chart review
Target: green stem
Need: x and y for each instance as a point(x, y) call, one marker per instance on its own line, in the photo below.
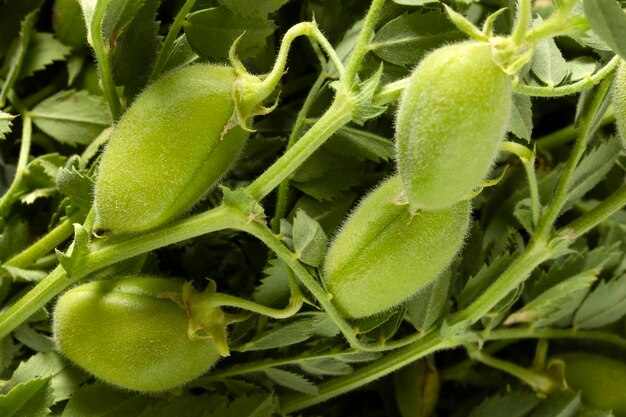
point(46, 244)
point(102, 57)
point(539, 383)
point(535, 254)
point(528, 159)
point(166, 48)
point(8, 198)
point(596, 215)
point(283, 188)
point(568, 133)
point(390, 92)
point(523, 21)
point(533, 333)
point(565, 90)
point(387, 364)
point(339, 114)
point(361, 46)
point(585, 131)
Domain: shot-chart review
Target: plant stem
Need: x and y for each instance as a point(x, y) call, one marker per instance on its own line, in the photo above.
point(360, 48)
point(166, 48)
point(339, 113)
point(102, 57)
point(8, 198)
point(585, 131)
point(225, 300)
point(538, 382)
point(46, 244)
point(283, 188)
point(565, 90)
point(387, 364)
point(523, 21)
point(534, 333)
point(596, 215)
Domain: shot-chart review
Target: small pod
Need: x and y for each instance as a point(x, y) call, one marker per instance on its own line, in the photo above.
point(383, 255)
point(619, 101)
point(167, 149)
point(600, 380)
point(452, 116)
point(122, 332)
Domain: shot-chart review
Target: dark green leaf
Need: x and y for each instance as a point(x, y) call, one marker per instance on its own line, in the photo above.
point(99, 400)
point(429, 305)
point(254, 405)
point(515, 404)
point(559, 404)
point(5, 124)
point(521, 121)
point(604, 305)
point(29, 399)
point(43, 50)
point(274, 288)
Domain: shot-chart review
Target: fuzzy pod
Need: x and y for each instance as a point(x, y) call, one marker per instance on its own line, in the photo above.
point(601, 380)
point(451, 118)
point(167, 150)
point(123, 333)
point(619, 101)
point(383, 255)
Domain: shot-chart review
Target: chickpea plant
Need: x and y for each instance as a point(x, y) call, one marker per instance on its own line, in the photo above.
point(297, 207)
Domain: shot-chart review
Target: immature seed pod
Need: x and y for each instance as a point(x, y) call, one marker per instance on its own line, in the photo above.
point(167, 149)
point(452, 116)
point(383, 254)
point(122, 332)
point(601, 380)
point(619, 100)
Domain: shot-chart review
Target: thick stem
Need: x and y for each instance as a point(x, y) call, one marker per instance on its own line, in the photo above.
point(596, 215)
point(339, 113)
point(166, 48)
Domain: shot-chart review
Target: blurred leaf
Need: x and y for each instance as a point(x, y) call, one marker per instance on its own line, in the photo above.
point(5, 124)
point(104, 401)
point(361, 145)
point(72, 117)
point(274, 288)
point(327, 366)
point(285, 335)
point(253, 405)
point(604, 305)
point(253, 8)
point(486, 276)
point(29, 399)
point(559, 404)
point(429, 304)
point(17, 54)
point(607, 19)
point(514, 404)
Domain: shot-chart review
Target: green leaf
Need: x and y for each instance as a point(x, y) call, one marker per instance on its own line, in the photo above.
point(192, 404)
point(521, 121)
point(71, 117)
point(5, 124)
point(359, 144)
point(291, 380)
point(607, 20)
point(33, 339)
point(548, 64)
point(406, 39)
point(76, 185)
point(274, 288)
point(556, 303)
point(211, 32)
point(24, 275)
point(285, 335)
point(29, 399)
point(43, 50)
point(581, 68)
point(604, 305)
point(309, 239)
point(429, 305)
point(64, 378)
point(559, 404)
point(14, 237)
point(514, 404)
point(104, 401)
point(415, 2)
